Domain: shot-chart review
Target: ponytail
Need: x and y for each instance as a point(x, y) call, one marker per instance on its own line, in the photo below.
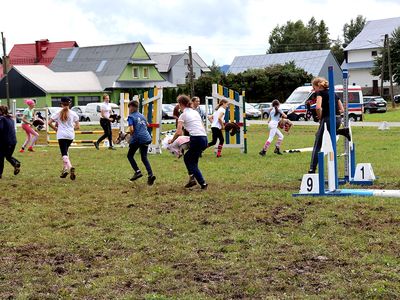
point(64, 113)
point(276, 104)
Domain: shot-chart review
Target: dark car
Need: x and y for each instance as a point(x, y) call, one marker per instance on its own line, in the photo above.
point(374, 104)
point(396, 98)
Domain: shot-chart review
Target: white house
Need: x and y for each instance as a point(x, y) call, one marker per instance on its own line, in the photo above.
point(361, 52)
point(173, 66)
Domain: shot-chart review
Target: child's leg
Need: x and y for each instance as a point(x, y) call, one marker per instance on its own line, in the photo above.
point(28, 136)
point(143, 154)
point(131, 153)
point(214, 131)
point(280, 138)
point(268, 142)
point(221, 142)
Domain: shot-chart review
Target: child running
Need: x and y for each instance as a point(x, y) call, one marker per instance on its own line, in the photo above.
point(27, 119)
point(275, 114)
point(8, 140)
point(66, 122)
point(140, 139)
point(217, 125)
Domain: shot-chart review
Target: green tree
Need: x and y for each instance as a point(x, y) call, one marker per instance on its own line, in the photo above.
point(295, 36)
point(350, 31)
point(394, 44)
point(337, 51)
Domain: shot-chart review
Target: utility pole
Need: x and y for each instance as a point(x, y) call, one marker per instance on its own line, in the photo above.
point(383, 65)
point(190, 67)
point(390, 71)
point(5, 70)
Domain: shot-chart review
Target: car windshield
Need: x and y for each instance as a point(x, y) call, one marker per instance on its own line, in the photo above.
point(249, 106)
point(297, 97)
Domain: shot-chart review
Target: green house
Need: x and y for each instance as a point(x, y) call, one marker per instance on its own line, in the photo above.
point(121, 68)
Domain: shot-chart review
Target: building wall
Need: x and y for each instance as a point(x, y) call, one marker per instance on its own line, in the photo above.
point(361, 55)
point(127, 74)
point(179, 71)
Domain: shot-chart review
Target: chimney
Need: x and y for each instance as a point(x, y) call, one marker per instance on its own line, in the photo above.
point(38, 48)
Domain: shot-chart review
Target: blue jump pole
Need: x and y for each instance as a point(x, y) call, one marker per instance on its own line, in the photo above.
point(332, 120)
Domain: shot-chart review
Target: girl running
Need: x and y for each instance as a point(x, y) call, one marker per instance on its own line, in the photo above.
point(275, 114)
point(66, 121)
point(27, 119)
point(217, 125)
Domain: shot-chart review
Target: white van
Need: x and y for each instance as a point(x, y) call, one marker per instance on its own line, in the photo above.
point(296, 105)
point(92, 110)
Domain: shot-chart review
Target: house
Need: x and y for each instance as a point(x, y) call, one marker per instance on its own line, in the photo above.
point(315, 62)
point(361, 52)
point(120, 68)
point(47, 86)
point(173, 66)
point(42, 52)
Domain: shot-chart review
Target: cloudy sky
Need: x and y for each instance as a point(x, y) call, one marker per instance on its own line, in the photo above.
point(217, 29)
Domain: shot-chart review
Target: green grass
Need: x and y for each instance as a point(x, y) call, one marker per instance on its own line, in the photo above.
point(392, 115)
point(103, 237)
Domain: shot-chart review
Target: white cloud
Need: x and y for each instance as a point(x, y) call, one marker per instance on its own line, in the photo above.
point(216, 30)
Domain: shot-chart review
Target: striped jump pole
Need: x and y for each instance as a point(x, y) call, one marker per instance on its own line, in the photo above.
point(235, 113)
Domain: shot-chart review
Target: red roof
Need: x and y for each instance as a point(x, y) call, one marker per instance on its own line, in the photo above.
point(41, 52)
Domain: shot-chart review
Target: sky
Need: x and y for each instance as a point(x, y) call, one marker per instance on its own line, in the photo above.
point(216, 29)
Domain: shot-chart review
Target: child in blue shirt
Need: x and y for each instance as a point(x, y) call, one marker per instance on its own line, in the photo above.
point(140, 139)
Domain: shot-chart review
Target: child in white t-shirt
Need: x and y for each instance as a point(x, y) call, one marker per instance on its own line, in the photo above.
point(275, 114)
point(66, 122)
point(217, 125)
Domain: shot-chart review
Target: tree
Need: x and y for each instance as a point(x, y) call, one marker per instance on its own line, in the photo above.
point(350, 31)
point(295, 36)
point(273, 82)
point(337, 51)
point(394, 44)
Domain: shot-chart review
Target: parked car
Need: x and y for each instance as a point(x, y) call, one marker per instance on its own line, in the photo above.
point(374, 104)
point(396, 98)
point(80, 111)
point(92, 110)
point(264, 108)
point(168, 111)
point(251, 112)
point(53, 110)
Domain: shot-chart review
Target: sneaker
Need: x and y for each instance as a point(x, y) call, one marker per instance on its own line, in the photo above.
point(21, 151)
point(17, 168)
point(137, 175)
point(64, 173)
point(219, 155)
point(96, 144)
point(72, 175)
point(191, 182)
point(30, 149)
point(204, 186)
point(277, 151)
point(262, 152)
point(112, 148)
point(151, 179)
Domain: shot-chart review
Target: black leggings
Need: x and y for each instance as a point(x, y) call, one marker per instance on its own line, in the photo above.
point(64, 146)
point(216, 134)
point(6, 151)
point(143, 148)
point(106, 125)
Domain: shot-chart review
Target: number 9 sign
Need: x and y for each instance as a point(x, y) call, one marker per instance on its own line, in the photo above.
point(309, 184)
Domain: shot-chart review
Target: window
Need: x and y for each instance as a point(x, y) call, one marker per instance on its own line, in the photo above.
point(374, 53)
point(145, 72)
point(135, 72)
point(83, 100)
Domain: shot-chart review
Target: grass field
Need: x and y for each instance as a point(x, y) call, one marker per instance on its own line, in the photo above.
point(246, 237)
point(392, 115)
